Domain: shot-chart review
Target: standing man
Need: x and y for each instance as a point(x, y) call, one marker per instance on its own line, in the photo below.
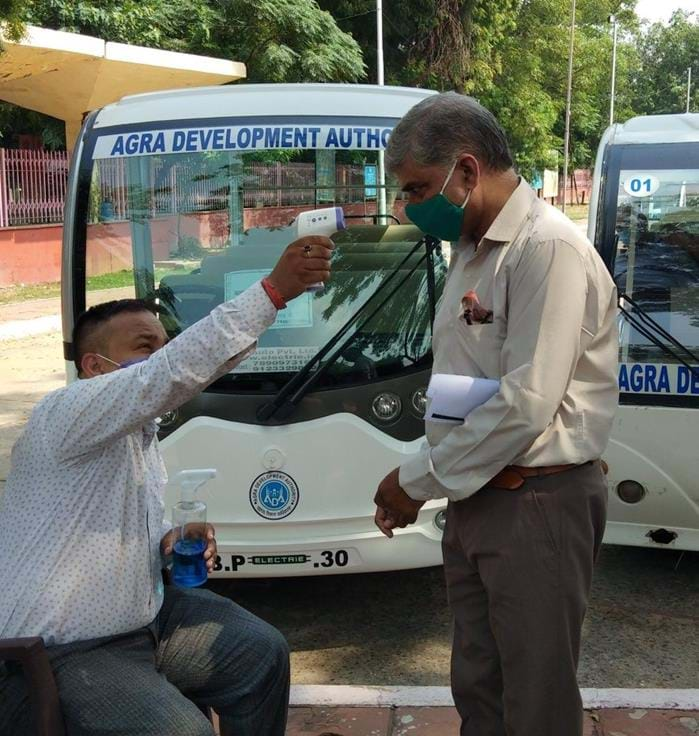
point(82, 533)
point(527, 301)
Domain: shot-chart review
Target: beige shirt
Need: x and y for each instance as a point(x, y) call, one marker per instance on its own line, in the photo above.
point(552, 343)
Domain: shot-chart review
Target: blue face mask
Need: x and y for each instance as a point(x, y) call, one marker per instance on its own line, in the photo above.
point(437, 216)
point(126, 363)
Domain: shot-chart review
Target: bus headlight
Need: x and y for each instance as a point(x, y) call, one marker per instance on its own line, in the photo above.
point(630, 491)
point(419, 401)
point(387, 407)
point(168, 419)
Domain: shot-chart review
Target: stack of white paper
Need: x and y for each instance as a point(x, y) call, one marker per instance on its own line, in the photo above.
point(453, 398)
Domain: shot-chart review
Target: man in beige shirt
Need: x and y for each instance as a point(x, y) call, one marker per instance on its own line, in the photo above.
point(528, 302)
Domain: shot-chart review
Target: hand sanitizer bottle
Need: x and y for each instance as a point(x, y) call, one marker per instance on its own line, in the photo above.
point(326, 221)
point(189, 527)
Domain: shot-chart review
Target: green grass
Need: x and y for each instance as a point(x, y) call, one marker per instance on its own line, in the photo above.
point(116, 280)
point(577, 211)
point(10, 294)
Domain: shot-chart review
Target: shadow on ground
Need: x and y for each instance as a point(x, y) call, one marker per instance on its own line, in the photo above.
point(395, 628)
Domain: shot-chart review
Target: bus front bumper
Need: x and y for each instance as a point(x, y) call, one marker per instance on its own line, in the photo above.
point(332, 551)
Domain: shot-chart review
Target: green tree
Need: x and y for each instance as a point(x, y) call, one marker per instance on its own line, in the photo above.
point(286, 41)
point(440, 44)
point(278, 40)
point(11, 20)
point(529, 94)
point(666, 52)
point(16, 120)
point(513, 57)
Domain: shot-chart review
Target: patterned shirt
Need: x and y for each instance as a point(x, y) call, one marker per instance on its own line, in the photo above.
point(547, 332)
point(82, 515)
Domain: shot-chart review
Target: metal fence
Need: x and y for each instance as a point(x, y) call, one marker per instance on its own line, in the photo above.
point(32, 186)
point(578, 187)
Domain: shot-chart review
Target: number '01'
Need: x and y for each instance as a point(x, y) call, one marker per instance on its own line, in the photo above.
point(636, 185)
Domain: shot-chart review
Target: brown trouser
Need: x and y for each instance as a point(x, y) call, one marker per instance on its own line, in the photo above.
point(518, 565)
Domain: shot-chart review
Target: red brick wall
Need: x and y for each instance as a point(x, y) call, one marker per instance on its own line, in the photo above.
point(30, 255)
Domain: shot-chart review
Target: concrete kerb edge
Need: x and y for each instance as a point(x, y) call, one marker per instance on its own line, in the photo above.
point(415, 696)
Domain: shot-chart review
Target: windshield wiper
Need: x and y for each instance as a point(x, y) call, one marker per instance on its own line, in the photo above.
point(643, 323)
point(294, 390)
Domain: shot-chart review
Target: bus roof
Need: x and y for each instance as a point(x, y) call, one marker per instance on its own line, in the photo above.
point(681, 128)
point(250, 100)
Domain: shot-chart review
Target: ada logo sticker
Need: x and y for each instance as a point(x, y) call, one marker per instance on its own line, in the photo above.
point(274, 495)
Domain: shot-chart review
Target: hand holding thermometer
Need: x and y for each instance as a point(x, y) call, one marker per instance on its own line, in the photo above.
point(326, 221)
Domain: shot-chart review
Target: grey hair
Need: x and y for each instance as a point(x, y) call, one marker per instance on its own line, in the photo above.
point(440, 127)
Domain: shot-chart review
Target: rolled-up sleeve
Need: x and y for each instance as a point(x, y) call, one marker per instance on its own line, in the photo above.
point(548, 328)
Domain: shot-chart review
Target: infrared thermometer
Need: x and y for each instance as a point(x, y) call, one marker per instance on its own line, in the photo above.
point(326, 221)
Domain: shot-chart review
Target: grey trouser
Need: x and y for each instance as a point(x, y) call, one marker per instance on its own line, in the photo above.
point(202, 650)
point(518, 567)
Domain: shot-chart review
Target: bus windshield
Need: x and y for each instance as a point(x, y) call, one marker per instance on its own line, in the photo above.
point(190, 230)
point(657, 247)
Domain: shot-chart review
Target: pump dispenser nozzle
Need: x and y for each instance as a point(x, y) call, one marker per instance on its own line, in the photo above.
point(190, 480)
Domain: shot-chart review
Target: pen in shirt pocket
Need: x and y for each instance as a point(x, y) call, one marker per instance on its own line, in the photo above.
point(472, 311)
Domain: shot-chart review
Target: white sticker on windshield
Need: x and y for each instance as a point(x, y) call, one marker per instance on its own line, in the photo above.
point(277, 360)
point(298, 312)
point(641, 185)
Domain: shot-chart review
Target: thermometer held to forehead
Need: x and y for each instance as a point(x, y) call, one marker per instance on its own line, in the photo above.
point(326, 221)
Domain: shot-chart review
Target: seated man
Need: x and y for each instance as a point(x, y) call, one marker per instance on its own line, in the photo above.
point(82, 531)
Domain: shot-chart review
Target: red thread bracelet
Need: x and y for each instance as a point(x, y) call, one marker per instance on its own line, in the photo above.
point(274, 296)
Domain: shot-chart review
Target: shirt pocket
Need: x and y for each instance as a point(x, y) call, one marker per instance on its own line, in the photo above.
point(482, 343)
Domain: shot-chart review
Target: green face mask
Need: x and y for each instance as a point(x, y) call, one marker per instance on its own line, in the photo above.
point(437, 216)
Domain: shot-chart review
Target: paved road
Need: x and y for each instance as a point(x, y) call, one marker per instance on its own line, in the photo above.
point(394, 628)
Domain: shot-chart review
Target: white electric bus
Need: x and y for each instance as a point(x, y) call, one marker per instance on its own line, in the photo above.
point(185, 198)
point(644, 220)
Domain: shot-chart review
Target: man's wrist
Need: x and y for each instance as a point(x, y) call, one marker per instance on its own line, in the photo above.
point(275, 296)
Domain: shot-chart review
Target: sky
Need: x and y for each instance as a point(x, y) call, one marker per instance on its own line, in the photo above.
point(661, 10)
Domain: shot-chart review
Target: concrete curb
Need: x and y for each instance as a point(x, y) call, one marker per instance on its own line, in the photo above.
point(593, 698)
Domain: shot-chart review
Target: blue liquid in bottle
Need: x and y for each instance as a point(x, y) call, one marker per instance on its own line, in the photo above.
point(188, 564)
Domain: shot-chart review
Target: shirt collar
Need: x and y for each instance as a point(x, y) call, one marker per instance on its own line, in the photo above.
point(508, 221)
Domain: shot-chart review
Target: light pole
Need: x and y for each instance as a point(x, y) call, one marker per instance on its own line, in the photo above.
point(612, 20)
point(381, 170)
point(689, 85)
point(569, 95)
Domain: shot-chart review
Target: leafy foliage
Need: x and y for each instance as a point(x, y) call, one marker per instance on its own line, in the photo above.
point(512, 55)
point(278, 40)
point(666, 52)
point(12, 19)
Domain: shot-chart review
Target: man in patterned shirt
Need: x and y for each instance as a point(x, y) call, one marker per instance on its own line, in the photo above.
point(131, 656)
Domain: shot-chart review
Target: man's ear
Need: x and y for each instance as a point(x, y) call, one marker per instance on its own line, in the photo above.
point(468, 164)
point(91, 365)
